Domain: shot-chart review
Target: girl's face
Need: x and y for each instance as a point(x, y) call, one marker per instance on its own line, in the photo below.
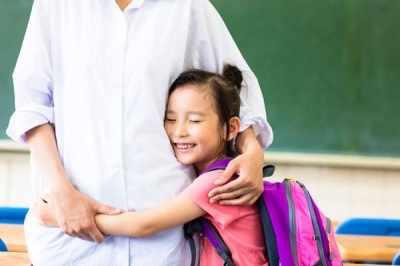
point(193, 127)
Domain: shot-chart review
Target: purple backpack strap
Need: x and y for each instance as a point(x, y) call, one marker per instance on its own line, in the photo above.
point(208, 229)
point(203, 224)
point(221, 164)
point(217, 242)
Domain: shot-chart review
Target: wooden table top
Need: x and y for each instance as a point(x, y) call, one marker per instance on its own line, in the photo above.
point(13, 236)
point(355, 248)
point(14, 259)
point(20, 258)
point(355, 264)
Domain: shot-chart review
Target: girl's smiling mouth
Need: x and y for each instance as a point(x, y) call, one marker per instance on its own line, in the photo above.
point(184, 146)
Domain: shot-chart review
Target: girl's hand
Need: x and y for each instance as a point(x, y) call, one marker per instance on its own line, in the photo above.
point(44, 210)
point(247, 188)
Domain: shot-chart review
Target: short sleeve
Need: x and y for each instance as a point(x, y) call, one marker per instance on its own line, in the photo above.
point(198, 192)
point(32, 77)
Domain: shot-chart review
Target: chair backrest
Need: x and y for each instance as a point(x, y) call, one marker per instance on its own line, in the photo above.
point(3, 246)
point(12, 215)
point(369, 226)
point(396, 259)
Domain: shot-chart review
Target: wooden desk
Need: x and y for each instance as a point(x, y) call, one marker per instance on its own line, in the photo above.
point(13, 236)
point(14, 259)
point(352, 264)
point(355, 248)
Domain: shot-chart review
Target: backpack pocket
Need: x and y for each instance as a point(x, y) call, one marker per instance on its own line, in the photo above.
point(297, 224)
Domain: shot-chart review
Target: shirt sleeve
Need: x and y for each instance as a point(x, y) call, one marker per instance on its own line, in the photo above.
point(210, 46)
point(32, 75)
point(198, 192)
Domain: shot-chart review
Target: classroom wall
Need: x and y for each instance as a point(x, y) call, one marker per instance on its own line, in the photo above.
point(15, 185)
point(340, 191)
point(329, 70)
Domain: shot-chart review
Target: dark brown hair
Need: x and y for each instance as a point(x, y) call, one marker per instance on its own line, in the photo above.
point(224, 91)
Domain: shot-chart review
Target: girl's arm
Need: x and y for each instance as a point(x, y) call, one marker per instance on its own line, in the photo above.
point(169, 214)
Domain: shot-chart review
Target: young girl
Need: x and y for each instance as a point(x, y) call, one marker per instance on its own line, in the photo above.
point(201, 119)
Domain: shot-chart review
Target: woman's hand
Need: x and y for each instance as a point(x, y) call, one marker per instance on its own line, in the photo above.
point(74, 211)
point(247, 188)
point(75, 214)
point(44, 210)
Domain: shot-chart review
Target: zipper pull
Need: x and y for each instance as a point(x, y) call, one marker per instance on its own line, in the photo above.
point(288, 179)
point(330, 247)
point(202, 239)
point(328, 236)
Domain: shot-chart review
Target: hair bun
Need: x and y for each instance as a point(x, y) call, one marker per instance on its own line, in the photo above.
point(234, 75)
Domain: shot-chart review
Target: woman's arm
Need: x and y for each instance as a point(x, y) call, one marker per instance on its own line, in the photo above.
point(32, 123)
point(74, 211)
point(247, 188)
point(174, 212)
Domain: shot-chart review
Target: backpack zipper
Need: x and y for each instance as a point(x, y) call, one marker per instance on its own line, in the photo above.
point(317, 231)
point(201, 242)
point(292, 220)
point(328, 235)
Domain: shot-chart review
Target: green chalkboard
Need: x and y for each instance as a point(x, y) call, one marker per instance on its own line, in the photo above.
point(329, 70)
point(14, 16)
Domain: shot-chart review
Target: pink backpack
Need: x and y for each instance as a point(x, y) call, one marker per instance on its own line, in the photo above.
point(296, 232)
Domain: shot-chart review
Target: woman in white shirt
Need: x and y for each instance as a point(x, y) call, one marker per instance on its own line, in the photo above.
point(90, 91)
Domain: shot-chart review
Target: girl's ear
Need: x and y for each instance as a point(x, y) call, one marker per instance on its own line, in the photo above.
point(234, 126)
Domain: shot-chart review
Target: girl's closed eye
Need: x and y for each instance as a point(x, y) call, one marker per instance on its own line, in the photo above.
point(170, 119)
point(196, 118)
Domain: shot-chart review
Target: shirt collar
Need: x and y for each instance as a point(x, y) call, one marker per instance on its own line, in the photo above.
point(135, 4)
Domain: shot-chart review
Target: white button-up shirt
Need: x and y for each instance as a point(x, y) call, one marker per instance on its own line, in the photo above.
point(101, 77)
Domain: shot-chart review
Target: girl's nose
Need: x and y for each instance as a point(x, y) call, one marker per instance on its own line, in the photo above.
point(180, 130)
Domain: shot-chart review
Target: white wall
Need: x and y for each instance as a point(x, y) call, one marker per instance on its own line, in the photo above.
point(348, 192)
point(15, 185)
point(343, 186)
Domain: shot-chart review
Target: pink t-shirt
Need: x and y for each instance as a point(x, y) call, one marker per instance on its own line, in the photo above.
point(239, 226)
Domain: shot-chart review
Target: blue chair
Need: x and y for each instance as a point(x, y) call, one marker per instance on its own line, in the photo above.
point(369, 226)
point(12, 215)
point(3, 247)
point(396, 260)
